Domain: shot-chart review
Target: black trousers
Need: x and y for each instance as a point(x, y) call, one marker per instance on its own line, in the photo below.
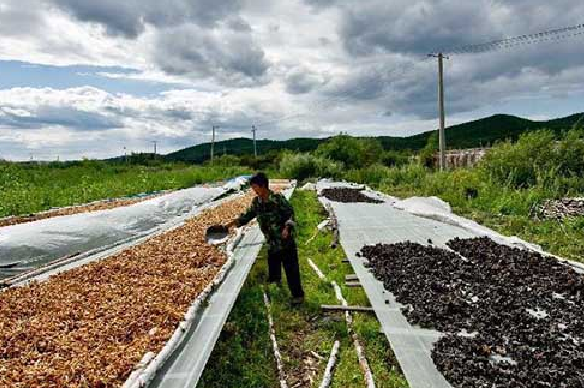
point(287, 257)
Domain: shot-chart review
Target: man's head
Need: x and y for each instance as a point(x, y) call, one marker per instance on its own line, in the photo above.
point(260, 184)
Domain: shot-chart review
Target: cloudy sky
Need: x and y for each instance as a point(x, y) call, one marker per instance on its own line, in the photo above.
point(86, 78)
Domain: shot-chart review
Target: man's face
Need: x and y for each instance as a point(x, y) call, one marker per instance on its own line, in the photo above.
point(259, 190)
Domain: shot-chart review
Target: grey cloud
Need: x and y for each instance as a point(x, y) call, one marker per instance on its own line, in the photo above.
point(232, 58)
point(369, 82)
point(412, 27)
point(400, 33)
point(321, 3)
point(178, 114)
point(129, 17)
point(46, 116)
point(20, 18)
point(302, 81)
point(238, 24)
point(420, 27)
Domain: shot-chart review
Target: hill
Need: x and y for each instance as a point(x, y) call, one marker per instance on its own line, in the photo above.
point(242, 146)
point(473, 134)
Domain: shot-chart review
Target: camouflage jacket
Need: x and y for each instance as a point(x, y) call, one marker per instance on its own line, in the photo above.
point(273, 215)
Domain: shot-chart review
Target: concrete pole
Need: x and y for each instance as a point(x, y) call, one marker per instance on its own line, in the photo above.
point(213, 145)
point(255, 149)
point(441, 138)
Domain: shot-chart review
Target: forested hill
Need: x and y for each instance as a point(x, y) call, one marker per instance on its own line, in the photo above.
point(468, 135)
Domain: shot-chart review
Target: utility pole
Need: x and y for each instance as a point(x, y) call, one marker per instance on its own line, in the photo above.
point(495, 45)
point(441, 114)
point(441, 138)
point(255, 149)
point(213, 144)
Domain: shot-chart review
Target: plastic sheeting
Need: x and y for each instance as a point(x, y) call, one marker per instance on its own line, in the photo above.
point(28, 246)
point(365, 224)
point(185, 366)
point(417, 219)
point(436, 209)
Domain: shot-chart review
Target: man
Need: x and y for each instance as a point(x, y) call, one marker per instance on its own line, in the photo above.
point(276, 219)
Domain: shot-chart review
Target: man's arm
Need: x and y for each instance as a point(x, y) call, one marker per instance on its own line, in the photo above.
point(245, 217)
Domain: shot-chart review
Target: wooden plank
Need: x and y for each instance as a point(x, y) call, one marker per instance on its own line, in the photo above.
point(353, 284)
point(351, 278)
point(333, 307)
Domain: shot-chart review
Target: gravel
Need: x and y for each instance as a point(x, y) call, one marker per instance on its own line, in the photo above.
point(511, 317)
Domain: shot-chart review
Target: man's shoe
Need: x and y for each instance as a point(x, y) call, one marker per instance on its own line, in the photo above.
point(297, 301)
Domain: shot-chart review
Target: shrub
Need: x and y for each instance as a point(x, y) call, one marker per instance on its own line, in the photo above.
point(427, 153)
point(303, 166)
point(227, 161)
point(537, 159)
point(394, 159)
point(353, 152)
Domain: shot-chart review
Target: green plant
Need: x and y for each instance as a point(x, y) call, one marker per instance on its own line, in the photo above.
point(30, 188)
point(427, 153)
point(303, 166)
point(353, 152)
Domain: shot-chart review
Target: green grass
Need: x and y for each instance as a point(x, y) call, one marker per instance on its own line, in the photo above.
point(309, 214)
point(500, 206)
point(244, 359)
point(503, 208)
point(243, 354)
point(26, 189)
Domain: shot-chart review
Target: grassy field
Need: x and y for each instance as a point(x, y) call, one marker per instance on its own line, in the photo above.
point(243, 355)
point(500, 206)
point(26, 189)
point(511, 182)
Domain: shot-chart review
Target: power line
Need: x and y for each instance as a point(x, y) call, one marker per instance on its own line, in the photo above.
point(555, 35)
point(521, 40)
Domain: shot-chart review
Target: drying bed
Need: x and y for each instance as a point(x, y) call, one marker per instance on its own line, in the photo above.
point(184, 368)
point(347, 195)
point(512, 317)
point(26, 247)
point(91, 325)
point(86, 208)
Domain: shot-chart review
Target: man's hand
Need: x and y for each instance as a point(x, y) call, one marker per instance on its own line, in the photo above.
point(285, 233)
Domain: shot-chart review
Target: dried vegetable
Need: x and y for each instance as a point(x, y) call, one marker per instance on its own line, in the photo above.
point(88, 327)
point(348, 195)
point(512, 317)
point(560, 209)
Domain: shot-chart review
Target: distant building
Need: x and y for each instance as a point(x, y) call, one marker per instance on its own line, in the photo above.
point(462, 158)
